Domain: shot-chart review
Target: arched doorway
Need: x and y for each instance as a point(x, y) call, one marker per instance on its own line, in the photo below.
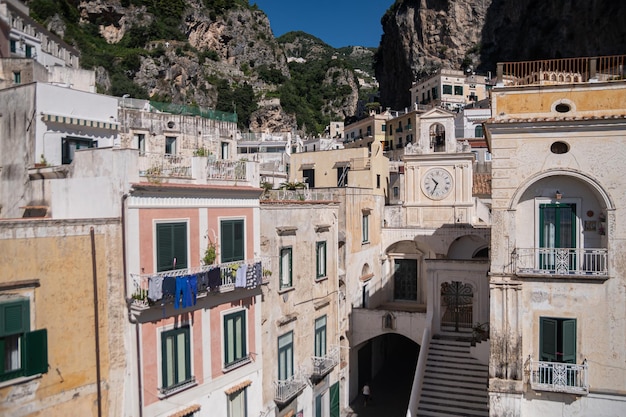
point(457, 301)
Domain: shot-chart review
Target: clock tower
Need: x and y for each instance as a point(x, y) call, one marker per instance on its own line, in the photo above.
point(438, 174)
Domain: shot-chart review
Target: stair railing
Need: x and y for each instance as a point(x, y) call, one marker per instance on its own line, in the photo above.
point(418, 378)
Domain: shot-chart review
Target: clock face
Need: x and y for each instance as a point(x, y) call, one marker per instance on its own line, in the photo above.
point(437, 183)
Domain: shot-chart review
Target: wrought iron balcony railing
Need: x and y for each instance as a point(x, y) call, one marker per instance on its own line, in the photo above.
point(287, 389)
point(561, 261)
point(324, 364)
point(208, 278)
point(559, 377)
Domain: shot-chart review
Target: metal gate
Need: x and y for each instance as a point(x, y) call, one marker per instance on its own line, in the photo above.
point(456, 304)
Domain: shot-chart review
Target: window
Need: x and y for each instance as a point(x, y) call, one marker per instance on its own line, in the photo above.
point(487, 156)
point(175, 358)
point(225, 148)
point(29, 51)
point(384, 128)
point(13, 46)
point(235, 331)
point(170, 145)
point(396, 192)
point(320, 252)
point(320, 337)
point(17, 77)
point(377, 180)
point(140, 140)
point(365, 228)
point(557, 340)
point(405, 279)
point(171, 246)
point(369, 131)
point(309, 177)
point(447, 89)
point(22, 352)
point(435, 93)
point(285, 356)
point(71, 144)
point(478, 132)
point(342, 176)
point(285, 268)
point(232, 240)
point(458, 90)
point(238, 404)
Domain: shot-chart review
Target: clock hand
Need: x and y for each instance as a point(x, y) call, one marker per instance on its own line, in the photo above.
point(435, 187)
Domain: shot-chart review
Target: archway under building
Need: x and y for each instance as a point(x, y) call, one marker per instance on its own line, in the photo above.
point(387, 364)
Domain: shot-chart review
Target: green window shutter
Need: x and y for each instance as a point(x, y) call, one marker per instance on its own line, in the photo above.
point(35, 352)
point(318, 405)
point(334, 400)
point(547, 339)
point(232, 241)
point(569, 341)
point(171, 243)
point(179, 236)
point(14, 317)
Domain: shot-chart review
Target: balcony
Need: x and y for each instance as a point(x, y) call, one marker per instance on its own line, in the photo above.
point(225, 281)
point(289, 388)
point(581, 262)
point(324, 364)
point(559, 377)
point(198, 169)
point(153, 165)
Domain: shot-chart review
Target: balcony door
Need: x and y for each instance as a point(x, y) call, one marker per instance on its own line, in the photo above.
point(557, 231)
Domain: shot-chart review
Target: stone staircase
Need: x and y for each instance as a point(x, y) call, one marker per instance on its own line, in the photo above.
point(455, 384)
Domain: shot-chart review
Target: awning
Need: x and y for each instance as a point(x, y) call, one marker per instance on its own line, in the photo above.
point(306, 166)
point(186, 412)
point(342, 164)
point(77, 121)
point(238, 387)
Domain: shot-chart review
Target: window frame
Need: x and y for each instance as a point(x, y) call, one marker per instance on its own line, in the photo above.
point(236, 396)
point(321, 337)
point(174, 333)
point(287, 348)
point(321, 259)
point(179, 231)
point(232, 250)
point(283, 283)
point(170, 145)
point(241, 357)
point(365, 228)
point(564, 339)
point(31, 352)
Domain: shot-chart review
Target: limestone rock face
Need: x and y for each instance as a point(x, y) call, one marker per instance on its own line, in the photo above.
point(271, 118)
point(421, 36)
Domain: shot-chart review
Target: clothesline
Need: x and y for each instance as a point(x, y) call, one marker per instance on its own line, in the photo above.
point(197, 269)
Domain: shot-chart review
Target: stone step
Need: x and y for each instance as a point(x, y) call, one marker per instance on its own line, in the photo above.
point(457, 360)
point(453, 410)
point(456, 379)
point(464, 389)
point(445, 363)
point(435, 369)
point(471, 396)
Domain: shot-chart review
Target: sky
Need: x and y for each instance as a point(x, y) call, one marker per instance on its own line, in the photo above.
point(337, 22)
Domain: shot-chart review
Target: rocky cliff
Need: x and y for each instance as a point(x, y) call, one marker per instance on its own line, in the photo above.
point(420, 36)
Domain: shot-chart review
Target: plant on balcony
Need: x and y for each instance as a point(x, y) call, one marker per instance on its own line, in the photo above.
point(201, 152)
point(292, 185)
point(267, 273)
point(266, 186)
point(154, 174)
point(210, 254)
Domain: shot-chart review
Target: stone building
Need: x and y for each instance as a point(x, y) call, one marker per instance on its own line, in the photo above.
point(557, 137)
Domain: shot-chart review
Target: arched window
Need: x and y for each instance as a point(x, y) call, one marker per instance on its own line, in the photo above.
point(438, 138)
point(478, 132)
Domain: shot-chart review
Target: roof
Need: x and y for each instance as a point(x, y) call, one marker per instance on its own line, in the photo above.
point(482, 184)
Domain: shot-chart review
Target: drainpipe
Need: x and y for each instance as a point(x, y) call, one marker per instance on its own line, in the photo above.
point(96, 318)
point(128, 301)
